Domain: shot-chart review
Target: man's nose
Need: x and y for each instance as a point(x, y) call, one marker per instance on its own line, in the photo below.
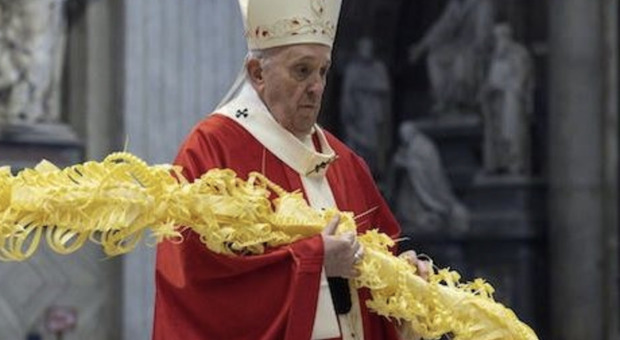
point(317, 86)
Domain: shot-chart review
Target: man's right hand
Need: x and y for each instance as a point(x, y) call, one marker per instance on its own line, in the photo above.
point(341, 252)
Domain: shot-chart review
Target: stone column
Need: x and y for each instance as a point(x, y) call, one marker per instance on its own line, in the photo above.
point(611, 124)
point(93, 78)
point(180, 57)
point(577, 157)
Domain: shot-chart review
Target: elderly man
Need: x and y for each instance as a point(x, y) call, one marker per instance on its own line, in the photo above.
point(269, 125)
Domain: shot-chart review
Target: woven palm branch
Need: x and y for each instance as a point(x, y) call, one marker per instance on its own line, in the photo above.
point(115, 202)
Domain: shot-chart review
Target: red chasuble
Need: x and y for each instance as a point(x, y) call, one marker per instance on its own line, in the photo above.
point(205, 296)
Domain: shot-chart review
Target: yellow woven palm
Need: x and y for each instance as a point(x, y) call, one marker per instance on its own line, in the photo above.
point(114, 202)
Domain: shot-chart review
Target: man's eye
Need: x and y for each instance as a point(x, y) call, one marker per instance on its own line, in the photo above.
point(324, 71)
point(302, 71)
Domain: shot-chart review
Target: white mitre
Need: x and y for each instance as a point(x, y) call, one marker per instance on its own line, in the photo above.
point(275, 23)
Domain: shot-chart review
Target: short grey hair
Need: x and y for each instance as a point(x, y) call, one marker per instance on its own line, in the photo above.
point(264, 56)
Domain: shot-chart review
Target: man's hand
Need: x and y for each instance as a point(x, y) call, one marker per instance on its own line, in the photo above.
point(423, 267)
point(423, 270)
point(406, 333)
point(341, 252)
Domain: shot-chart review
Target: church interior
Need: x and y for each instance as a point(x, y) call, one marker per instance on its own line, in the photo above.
point(490, 126)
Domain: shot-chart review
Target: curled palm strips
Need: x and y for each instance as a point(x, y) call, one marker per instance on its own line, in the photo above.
point(114, 202)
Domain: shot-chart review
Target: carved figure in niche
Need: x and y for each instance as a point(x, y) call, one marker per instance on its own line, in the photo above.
point(458, 46)
point(32, 35)
point(365, 106)
point(421, 191)
point(507, 99)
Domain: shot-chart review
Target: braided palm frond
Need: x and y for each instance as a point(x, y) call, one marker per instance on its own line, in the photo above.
point(114, 202)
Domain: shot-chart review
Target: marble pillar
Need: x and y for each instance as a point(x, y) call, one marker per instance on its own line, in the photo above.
point(578, 117)
point(611, 125)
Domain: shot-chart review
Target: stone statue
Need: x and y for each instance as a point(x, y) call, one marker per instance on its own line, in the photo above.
point(365, 106)
point(507, 99)
point(458, 46)
point(32, 35)
point(421, 191)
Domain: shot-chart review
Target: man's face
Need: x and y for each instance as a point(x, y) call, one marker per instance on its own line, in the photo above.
point(293, 83)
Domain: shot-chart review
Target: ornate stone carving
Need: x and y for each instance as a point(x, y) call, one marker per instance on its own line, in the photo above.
point(421, 191)
point(32, 36)
point(458, 46)
point(365, 106)
point(507, 103)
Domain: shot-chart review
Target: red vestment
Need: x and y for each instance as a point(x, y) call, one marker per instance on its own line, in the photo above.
point(201, 295)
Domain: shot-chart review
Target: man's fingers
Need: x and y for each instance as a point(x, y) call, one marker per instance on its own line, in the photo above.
point(357, 252)
point(331, 227)
point(350, 237)
point(411, 257)
point(424, 269)
point(354, 273)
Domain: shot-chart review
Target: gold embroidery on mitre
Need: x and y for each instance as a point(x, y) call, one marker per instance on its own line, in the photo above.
point(317, 25)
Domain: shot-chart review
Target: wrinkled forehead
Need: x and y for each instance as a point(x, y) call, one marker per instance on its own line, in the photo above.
point(312, 52)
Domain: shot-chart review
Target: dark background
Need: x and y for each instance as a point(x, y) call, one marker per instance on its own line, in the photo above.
point(511, 253)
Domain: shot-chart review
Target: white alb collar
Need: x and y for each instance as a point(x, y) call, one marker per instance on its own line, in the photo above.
point(250, 112)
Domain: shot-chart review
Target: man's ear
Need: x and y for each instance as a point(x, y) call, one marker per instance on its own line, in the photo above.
point(255, 71)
